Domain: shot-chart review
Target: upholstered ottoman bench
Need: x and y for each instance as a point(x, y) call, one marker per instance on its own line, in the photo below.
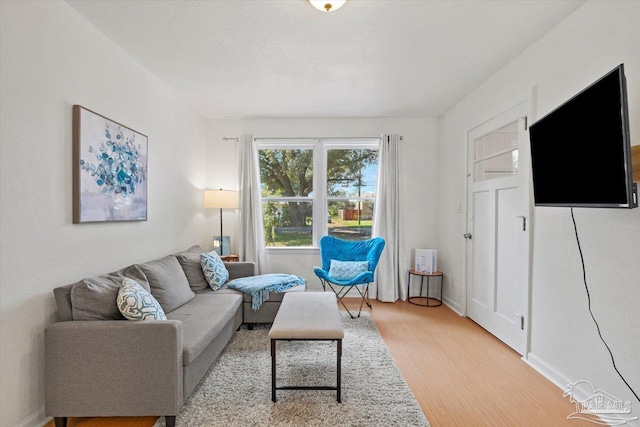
point(307, 316)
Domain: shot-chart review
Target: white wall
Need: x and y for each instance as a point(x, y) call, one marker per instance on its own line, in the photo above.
point(564, 341)
point(418, 165)
point(51, 58)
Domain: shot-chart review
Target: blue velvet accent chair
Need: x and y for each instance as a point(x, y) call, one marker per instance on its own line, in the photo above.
point(332, 248)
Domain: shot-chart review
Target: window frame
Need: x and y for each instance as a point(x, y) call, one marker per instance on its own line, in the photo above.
point(320, 198)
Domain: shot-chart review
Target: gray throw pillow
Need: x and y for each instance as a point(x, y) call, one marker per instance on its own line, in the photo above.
point(94, 298)
point(190, 262)
point(168, 283)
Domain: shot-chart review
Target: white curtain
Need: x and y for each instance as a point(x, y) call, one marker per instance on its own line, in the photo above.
point(391, 283)
point(251, 228)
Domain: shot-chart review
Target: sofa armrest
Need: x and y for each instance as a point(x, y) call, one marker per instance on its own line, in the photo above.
point(240, 269)
point(113, 368)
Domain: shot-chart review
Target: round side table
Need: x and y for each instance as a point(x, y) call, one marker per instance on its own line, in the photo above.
point(416, 299)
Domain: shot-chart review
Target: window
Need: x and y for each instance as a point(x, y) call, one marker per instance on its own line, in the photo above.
point(286, 177)
point(351, 191)
point(315, 187)
point(496, 154)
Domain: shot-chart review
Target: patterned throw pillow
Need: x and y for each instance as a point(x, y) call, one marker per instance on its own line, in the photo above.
point(214, 270)
point(345, 270)
point(136, 303)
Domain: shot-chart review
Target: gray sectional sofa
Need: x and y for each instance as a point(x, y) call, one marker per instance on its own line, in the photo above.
point(98, 364)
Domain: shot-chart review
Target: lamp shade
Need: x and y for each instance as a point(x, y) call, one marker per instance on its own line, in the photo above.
point(221, 199)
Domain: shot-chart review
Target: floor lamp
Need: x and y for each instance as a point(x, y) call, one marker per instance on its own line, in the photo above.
point(221, 199)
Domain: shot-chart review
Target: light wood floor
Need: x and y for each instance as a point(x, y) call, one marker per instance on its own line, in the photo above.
point(460, 374)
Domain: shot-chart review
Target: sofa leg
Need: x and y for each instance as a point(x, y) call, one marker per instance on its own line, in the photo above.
point(170, 421)
point(60, 421)
point(250, 326)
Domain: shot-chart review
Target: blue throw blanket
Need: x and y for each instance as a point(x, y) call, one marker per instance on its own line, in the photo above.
point(260, 286)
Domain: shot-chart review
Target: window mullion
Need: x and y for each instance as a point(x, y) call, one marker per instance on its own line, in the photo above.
point(287, 199)
point(319, 192)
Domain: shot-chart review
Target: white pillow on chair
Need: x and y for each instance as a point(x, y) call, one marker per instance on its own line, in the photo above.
point(345, 270)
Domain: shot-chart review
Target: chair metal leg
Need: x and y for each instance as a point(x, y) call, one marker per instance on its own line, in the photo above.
point(341, 294)
point(344, 290)
point(365, 298)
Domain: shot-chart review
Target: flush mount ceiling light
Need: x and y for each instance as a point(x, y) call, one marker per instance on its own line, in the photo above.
point(327, 6)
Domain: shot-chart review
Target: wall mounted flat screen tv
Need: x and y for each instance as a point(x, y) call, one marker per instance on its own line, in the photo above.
point(581, 151)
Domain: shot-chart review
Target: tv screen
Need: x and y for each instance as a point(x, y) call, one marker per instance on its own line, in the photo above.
point(580, 152)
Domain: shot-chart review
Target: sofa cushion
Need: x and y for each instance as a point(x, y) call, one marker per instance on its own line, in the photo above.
point(240, 269)
point(202, 320)
point(222, 290)
point(168, 283)
point(214, 270)
point(94, 298)
point(136, 303)
point(190, 262)
point(62, 294)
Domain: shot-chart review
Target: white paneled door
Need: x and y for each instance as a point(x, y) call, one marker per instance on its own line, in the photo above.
point(497, 226)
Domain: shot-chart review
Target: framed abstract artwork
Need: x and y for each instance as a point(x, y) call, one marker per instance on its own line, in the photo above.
point(109, 170)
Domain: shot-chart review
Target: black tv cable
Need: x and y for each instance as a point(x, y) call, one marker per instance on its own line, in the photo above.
point(584, 277)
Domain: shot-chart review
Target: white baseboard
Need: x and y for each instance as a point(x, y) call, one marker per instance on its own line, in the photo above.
point(558, 379)
point(35, 419)
point(452, 305)
point(547, 371)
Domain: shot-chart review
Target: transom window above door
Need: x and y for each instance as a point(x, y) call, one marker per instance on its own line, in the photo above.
point(496, 154)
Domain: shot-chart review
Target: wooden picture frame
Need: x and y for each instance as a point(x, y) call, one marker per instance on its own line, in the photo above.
point(109, 170)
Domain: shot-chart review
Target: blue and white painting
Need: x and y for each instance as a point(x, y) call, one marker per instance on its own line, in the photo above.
point(112, 174)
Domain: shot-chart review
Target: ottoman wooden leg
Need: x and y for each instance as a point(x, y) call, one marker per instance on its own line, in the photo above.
point(273, 370)
point(339, 369)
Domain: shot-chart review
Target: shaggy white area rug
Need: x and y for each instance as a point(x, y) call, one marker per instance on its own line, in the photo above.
point(237, 389)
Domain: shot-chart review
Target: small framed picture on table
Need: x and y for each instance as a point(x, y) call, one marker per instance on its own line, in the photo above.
point(224, 248)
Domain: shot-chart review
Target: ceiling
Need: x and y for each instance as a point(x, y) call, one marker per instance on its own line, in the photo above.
point(283, 58)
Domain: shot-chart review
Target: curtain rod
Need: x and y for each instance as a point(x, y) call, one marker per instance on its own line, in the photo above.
point(324, 137)
point(224, 138)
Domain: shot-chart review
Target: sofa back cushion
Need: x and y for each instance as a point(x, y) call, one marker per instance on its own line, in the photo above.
point(62, 295)
point(190, 262)
point(94, 298)
point(168, 283)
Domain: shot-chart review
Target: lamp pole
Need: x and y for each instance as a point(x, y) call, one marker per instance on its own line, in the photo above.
point(221, 233)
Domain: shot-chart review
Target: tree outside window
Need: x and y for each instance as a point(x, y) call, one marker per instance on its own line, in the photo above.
point(346, 181)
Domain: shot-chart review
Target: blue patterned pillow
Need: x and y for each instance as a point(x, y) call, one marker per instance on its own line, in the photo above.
point(214, 270)
point(345, 270)
point(136, 303)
